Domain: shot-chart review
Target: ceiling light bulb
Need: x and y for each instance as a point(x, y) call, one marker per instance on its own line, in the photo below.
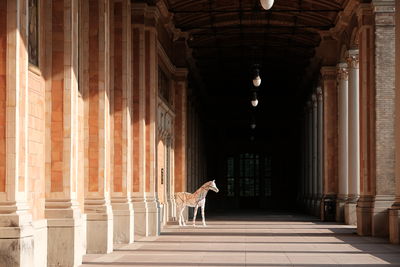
point(257, 81)
point(254, 102)
point(267, 4)
point(253, 126)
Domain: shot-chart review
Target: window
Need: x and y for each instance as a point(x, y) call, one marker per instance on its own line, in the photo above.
point(163, 85)
point(254, 174)
point(33, 33)
point(230, 176)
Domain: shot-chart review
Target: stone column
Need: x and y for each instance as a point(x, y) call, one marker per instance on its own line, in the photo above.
point(394, 212)
point(151, 82)
point(97, 182)
point(310, 156)
point(66, 235)
point(320, 149)
point(180, 132)
point(354, 138)
point(329, 146)
point(121, 91)
point(16, 241)
point(384, 180)
point(343, 149)
point(138, 124)
point(367, 118)
point(314, 153)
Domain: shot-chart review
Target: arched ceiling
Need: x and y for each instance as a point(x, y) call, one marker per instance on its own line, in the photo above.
point(228, 36)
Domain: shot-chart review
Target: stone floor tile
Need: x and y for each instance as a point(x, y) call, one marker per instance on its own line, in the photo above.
point(254, 241)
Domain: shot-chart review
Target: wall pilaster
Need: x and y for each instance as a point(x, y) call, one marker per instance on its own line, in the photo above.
point(17, 232)
point(121, 92)
point(330, 140)
point(65, 220)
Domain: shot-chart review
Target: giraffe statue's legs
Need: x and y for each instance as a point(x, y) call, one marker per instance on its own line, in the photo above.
point(194, 215)
point(181, 218)
point(203, 207)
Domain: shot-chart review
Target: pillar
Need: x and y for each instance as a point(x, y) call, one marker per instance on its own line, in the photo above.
point(151, 83)
point(180, 132)
point(121, 91)
point(394, 212)
point(378, 84)
point(367, 118)
point(343, 150)
point(16, 241)
point(138, 121)
point(329, 145)
point(98, 178)
point(314, 153)
point(353, 138)
point(320, 149)
point(65, 221)
point(310, 155)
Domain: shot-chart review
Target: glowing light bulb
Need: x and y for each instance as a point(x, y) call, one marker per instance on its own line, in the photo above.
point(267, 4)
point(257, 81)
point(254, 102)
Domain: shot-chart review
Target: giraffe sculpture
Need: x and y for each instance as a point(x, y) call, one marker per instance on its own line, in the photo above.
point(196, 200)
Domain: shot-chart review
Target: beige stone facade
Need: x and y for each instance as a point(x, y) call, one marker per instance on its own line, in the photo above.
point(101, 122)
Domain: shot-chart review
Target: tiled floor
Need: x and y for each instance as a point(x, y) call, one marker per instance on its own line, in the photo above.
point(254, 239)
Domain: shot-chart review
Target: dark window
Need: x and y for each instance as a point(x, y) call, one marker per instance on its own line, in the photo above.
point(163, 85)
point(33, 33)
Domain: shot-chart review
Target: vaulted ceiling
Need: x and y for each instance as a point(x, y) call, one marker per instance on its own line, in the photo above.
point(228, 36)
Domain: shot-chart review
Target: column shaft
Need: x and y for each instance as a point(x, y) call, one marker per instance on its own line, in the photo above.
point(354, 138)
point(343, 141)
point(121, 91)
point(320, 149)
point(138, 125)
point(66, 225)
point(314, 153)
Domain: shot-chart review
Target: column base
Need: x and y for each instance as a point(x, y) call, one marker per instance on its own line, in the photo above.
point(154, 221)
point(171, 210)
point(380, 215)
point(328, 208)
point(99, 226)
point(394, 225)
point(350, 213)
point(16, 237)
point(140, 216)
point(364, 215)
point(124, 221)
point(40, 242)
point(64, 237)
point(317, 206)
point(340, 203)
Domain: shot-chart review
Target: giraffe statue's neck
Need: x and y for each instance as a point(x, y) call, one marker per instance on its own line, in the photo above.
point(201, 193)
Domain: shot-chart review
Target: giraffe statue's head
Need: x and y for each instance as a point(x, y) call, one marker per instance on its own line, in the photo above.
point(213, 186)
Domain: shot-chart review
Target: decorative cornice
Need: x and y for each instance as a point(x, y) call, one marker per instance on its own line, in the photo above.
point(352, 57)
point(328, 73)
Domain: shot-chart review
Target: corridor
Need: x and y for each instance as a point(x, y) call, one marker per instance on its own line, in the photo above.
point(254, 239)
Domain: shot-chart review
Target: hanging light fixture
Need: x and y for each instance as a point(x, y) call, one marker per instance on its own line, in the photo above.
point(267, 4)
point(256, 78)
point(254, 100)
point(253, 124)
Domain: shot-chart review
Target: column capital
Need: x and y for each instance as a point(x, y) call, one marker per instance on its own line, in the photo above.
point(314, 100)
point(342, 71)
point(352, 57)
point(320, 94)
